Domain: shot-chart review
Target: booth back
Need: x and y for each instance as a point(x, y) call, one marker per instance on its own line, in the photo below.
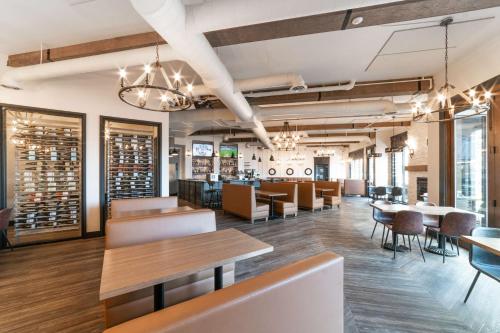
point(127, 205)
point(286, 187)
point(238, 199)
point(306, 296)
point(355, 187)
point(307, 194)
point(141, 230)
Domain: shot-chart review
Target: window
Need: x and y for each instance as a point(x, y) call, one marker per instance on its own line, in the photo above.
point(399, 161)
point(471, 165)
point(357, 169)
point(370, 157)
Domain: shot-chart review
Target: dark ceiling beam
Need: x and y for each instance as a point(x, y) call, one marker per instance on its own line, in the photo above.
point(334, 135)
point(374, 15)
point(367, 89)
point(325, 143)
point(328, 145)
point(220, 131)
point(343, 126)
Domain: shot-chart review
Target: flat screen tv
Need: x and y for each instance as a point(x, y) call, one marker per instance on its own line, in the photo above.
point(203, 149)
point(228, 151)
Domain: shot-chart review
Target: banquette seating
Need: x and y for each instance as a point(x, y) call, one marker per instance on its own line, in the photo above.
point(306, 296)
point(333, 198)
point(130, 231)
point(127, 205)
point(355, 187)
point(240, 200)
point(307, 196)
point(283, 205)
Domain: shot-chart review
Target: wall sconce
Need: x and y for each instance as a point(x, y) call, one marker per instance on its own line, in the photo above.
point(188, 153)
point(411, 147)
point(411, 152)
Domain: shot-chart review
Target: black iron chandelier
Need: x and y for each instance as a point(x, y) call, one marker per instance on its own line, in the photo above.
point(443, 107)
point(154, 90)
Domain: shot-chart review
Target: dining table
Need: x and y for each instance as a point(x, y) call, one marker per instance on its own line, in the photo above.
point(131, 268)
point(270, 195)
point(489, 244)
point(150, 212)
point(436, 211)
point(322, 190)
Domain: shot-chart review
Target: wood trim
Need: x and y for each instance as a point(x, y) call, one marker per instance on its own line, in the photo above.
point(343, 126)
point(416, 168)
point(334, 135)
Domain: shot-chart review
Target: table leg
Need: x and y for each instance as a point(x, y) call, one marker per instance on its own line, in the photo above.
point(159, 292)
point(271, 208)
point(218, 278)
point(441, 245)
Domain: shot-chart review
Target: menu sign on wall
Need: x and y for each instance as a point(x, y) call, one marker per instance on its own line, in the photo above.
point(203, 149)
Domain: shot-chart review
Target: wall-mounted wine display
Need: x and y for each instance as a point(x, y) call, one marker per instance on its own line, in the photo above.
point(228, 161)
point(44, 175)
point(202, 160)
point(130, 161)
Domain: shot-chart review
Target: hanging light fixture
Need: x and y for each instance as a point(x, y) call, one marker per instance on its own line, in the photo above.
point(392, 149)
point(442, 108)
point(153, 90)
point(271, 159)
point(260, 160)
point(254, 157)
point(287, 139)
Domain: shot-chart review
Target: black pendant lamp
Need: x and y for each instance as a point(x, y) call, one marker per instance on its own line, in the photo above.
point(253, 157)
point(271, 158)
point(260, 160)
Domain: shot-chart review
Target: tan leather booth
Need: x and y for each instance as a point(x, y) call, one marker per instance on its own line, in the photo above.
point(355, 187)
point(120, 233)
point(127, 205)
point(333, 198)
point(307, 196)
point(240, 200)
point(288, 205)
point(306, 296)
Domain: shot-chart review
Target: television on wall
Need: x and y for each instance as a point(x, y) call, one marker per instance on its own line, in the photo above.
point(228, 151)
point(203, 149)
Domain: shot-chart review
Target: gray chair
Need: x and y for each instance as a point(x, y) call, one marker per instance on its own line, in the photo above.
point(396, 192)
point(379, 192)
point(4, 225)
point(382, 218)
point(407, 223)
point(429, 221)
point(453, 226)
point(485, 262)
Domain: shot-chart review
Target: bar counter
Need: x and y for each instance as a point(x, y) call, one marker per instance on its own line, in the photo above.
point(195, 190)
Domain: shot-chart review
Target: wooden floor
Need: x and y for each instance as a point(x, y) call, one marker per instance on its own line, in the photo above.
point(54, 287)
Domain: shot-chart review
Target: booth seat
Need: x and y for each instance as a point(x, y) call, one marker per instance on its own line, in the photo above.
point(355, 187)
point(284, 205)
point(127, 205)
point(120, 233)
point(331, 198)
point(240, 200)
point(307, 196)
point(306, 296)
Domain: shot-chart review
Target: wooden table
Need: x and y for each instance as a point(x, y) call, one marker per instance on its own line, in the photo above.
point(271, 196)
point(151, 212)
point(439, 211)
point(132, 268)
point(323, 190)
point(486, 243)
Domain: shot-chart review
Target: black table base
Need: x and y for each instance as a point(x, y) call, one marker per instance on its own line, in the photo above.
point(159, 296)
point(439, 250)
point(218, 278)
point(400, 248)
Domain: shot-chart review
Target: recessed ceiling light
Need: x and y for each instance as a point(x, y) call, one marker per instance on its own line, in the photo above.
point(357, 20)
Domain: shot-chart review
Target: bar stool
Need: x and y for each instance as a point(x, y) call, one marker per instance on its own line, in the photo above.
point(4, 225)
point(407, 223)
point(455, 225)
point(213, 195)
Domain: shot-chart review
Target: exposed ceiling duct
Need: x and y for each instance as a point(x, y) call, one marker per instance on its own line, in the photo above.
point(337, 87)
point(168, 18)
point(15, 77)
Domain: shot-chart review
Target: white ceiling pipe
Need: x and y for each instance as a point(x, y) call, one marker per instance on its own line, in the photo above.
point(14, 77)
point(293, 81)
point(168, 18)
point(237, 13)
point(343, 109)
point(336, 87)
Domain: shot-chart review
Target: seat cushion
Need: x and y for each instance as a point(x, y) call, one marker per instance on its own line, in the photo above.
point(284, 204)
point(261, 207)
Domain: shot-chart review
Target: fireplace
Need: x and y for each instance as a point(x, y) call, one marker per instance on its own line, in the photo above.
point(421, 188)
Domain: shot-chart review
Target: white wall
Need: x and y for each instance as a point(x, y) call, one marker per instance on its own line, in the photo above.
point(95, 95)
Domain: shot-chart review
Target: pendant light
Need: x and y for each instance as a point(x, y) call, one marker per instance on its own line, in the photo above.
point(253, 157)
point(271, 158)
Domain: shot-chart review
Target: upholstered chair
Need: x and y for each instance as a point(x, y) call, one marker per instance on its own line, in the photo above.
point(407, 223)
point(382, 218)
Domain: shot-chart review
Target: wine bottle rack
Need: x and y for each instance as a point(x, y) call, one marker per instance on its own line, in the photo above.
point(229, 167)
point(47, 188)
point(130, 164)
point(201, 166)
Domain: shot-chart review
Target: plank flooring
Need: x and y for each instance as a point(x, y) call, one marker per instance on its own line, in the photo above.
point(54, 287)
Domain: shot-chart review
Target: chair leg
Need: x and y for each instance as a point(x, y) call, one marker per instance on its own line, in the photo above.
point(472, 286)
point(404, 241)
point(451, 242)
point(409, 243)
point(7, 240)
point(426, 233)
point(373, 232)
point(394, 243)
point(458, 251)
point(422, 252)
point(444, 248)
point(387, 235)
point(383, 235)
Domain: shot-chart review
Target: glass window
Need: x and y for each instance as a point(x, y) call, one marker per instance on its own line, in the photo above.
point(471, 165)
point(399, 175)
point(357, 168)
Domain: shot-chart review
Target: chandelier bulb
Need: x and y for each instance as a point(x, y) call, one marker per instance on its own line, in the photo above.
point(472, 93)
point(147, 68)
point(190, 87)
point(163, 98)
point(487, 94)
point(177, 77)
point(123, 73)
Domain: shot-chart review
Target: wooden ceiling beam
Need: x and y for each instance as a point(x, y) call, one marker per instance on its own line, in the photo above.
point(373, 15)
point(325, 143)
point(343, 126)
point(334, 135)
point(367, 89)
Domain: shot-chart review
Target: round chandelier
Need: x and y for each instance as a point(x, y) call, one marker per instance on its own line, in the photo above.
point(324, 152)
point(154, 90)
point(287, 139)
point(444, 107)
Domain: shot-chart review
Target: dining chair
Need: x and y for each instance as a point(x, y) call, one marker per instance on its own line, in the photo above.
point(382, 218)
point(485, 262)
point(454, 225)
point(407, 223)
point(4, 225)
point(396, 192)
point(429, 221)
point(379, 192)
